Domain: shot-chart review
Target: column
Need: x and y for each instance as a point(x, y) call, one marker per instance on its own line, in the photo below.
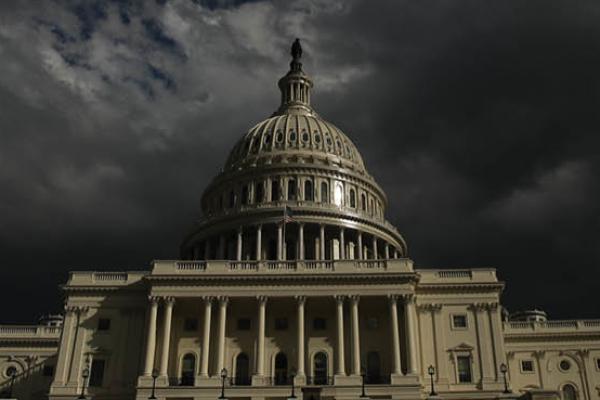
point(260, 360)
point(341, 368)
point(279, 242)
point(240, 244)
point(206, 336)
point(168, 314)
point(409, 315)
point(355, 335)
point(258, 242)
point(483, 337)
point(397, 366)
point(395, 253)
point(540, 357)
point(443, 372)
point(497, 338)
point(386, 251)
point(375, 256)
point(301, 241)
point(322, 242)
point(151, 337)
point(342, 245)
point(66, 342)
point(360, 245)
point(221, 255)
point(222, 322)
point(78, 358)
point(300, 368)
point(206, 248)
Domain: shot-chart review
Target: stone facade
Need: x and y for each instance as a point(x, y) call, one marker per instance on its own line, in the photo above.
point(294, 280)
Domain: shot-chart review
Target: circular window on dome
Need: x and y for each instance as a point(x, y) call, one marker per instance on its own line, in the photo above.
point(292, 136)
point(317, 138)
point(279, 137)
point(267, 138)
point(565, 365)
point(305, 136)
point(339, 147)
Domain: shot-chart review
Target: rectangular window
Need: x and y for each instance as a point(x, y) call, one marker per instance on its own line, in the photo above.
point(526, 365)
point(48, 370)
point(459, 321)
point(319, 324)
point(190, 324)
point(598, 364)
point(275, 191)
point(292, 189)
point(281, 324)
point(103, 324)
point(244, 324)
point(96, 373)
point(464, 369)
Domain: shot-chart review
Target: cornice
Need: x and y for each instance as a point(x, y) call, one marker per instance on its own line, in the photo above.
point(296, 279)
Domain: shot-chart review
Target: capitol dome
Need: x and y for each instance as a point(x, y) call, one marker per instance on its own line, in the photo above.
point(294, 187)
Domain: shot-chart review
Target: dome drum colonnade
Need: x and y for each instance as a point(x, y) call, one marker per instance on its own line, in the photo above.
point(297, 160)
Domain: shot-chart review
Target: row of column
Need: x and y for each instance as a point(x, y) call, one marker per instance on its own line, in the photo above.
point(388, 251)
point(410, 327)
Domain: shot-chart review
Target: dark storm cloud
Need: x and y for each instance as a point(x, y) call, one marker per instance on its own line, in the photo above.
point(479, 120)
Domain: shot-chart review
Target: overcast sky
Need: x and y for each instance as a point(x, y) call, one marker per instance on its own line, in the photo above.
point(479, 119)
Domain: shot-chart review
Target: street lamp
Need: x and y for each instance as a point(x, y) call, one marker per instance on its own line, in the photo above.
point(223, 377)
point(292, 376)
point(363, 375)
point(431, 372)
point(12, 372)
point(84, 374)
point(154, 376)
point(504, 370)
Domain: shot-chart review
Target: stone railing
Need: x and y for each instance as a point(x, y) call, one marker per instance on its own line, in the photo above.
point(219, 267)
point(559, 326)
point(449, 276)
point(29, 331)
point(303, 205)
point(106, 278)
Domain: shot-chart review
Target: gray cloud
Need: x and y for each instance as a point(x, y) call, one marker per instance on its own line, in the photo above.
point(479, 120)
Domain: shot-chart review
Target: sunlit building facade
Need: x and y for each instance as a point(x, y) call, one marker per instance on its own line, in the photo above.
point(294, 282)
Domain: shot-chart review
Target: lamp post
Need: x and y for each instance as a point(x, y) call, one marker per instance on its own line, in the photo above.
point(154, 377)
point(504, 370)
point(363, 375)
point(431, 372)
point(84, 374)
point(12, 372)
point(292, 376)
point(223, 377)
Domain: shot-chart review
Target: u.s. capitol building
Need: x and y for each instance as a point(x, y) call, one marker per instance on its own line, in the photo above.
point(295, 278)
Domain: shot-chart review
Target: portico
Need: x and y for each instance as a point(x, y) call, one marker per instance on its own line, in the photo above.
point(295, 323)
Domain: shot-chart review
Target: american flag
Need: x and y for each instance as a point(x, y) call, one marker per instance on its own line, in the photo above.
point(287, 215)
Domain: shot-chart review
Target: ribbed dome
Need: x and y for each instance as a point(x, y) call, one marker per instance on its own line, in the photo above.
point(302, 137)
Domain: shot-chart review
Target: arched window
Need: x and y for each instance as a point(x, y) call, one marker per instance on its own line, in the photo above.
point(242, 370)
point(245, 194)
point(231, 199)
point(275, 190)
point(569, 392)
point(324, 192)
point(281, 369)
point(373, 367)
point(188, 369)
point(308, 191)
point(352, 198)
point(259, 193)
point(320, 368)
point(363, 202)
point(291, 190)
